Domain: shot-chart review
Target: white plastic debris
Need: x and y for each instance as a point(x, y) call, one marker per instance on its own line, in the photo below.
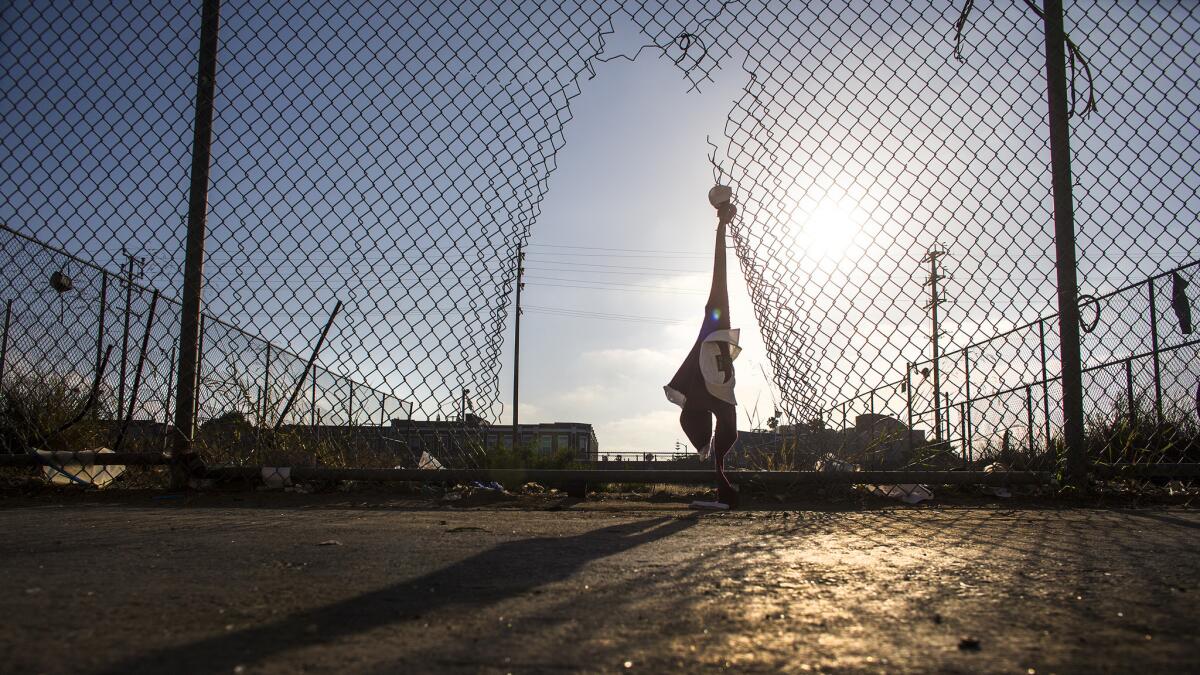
point(428, 461)
point(909, 493)
point(996, 491)
point(79, 473)
point(831, 464)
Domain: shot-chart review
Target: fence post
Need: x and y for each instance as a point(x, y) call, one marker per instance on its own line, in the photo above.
point(266, 390)
point(308, 366)
point(968, 432)
point(350, 405)
point(167, 401)
point(908, 403)
point(1045, 379)
point(184, 458)
point(1064, 244)
point(1158, 413)
point(125, 338)
point(946, 398)
point(962, 420)
point(1029, 418)
point(137, 376)
point(199, 368)
point(102, 314)
point(4, 339)
point(1129, 386)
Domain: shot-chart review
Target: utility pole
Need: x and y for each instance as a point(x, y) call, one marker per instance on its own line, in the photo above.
point(517, 344)
point(932, 257)
point(130, 275)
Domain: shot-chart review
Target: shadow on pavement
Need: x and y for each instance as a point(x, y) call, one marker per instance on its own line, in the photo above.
point(506, 567)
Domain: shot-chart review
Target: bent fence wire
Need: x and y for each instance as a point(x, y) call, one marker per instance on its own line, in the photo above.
point(889, 161)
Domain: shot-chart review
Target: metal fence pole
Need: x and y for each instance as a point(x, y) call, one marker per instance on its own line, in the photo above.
point(1129, 386)
point(968, 432)
point(1045, 379)
point(1158, 412)
point(199, 367)
point(962, 422)
point(308, 367)
point(1064, 244)
point(167, 400)
point(908, 403)
point(193, 265)
point(517, 345)
point(102, 315)
point(137, 376)
point(4, 338)
point(1029, 418)
point(125, 338)
point(266, 388)
point(946, 398)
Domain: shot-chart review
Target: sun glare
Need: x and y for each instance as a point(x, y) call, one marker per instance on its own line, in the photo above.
point(828, 229)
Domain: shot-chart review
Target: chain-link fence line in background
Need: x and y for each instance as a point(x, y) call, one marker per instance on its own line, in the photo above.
point(81, 371)
point(889, 162)
point(1001, 398)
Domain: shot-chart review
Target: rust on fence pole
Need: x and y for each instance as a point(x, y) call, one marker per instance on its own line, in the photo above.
point(193, 265)
point(1064, 244)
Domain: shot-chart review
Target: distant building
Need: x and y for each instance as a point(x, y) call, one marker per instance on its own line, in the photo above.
point(548, 438)
point(874, 442)
point(402, 440)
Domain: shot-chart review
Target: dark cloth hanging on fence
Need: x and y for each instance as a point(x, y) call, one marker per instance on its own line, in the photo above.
point(1179, 302)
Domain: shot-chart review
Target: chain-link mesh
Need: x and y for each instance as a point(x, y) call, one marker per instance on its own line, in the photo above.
point(889, 161)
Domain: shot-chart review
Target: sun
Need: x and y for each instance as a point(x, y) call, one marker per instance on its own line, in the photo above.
point(828, 228)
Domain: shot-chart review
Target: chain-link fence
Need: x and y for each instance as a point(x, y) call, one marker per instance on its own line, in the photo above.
point(1000, 399)
point(889, 160)
point(88, 355)
point(898, 223)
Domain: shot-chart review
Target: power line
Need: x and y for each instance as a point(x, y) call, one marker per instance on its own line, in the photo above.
point(618, 290)
point(631, 250)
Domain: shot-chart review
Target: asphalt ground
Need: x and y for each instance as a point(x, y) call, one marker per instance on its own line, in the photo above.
point(309, 583)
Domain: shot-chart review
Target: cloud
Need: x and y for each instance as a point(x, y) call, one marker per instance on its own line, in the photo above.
point(628, 362)
point(655, 430)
